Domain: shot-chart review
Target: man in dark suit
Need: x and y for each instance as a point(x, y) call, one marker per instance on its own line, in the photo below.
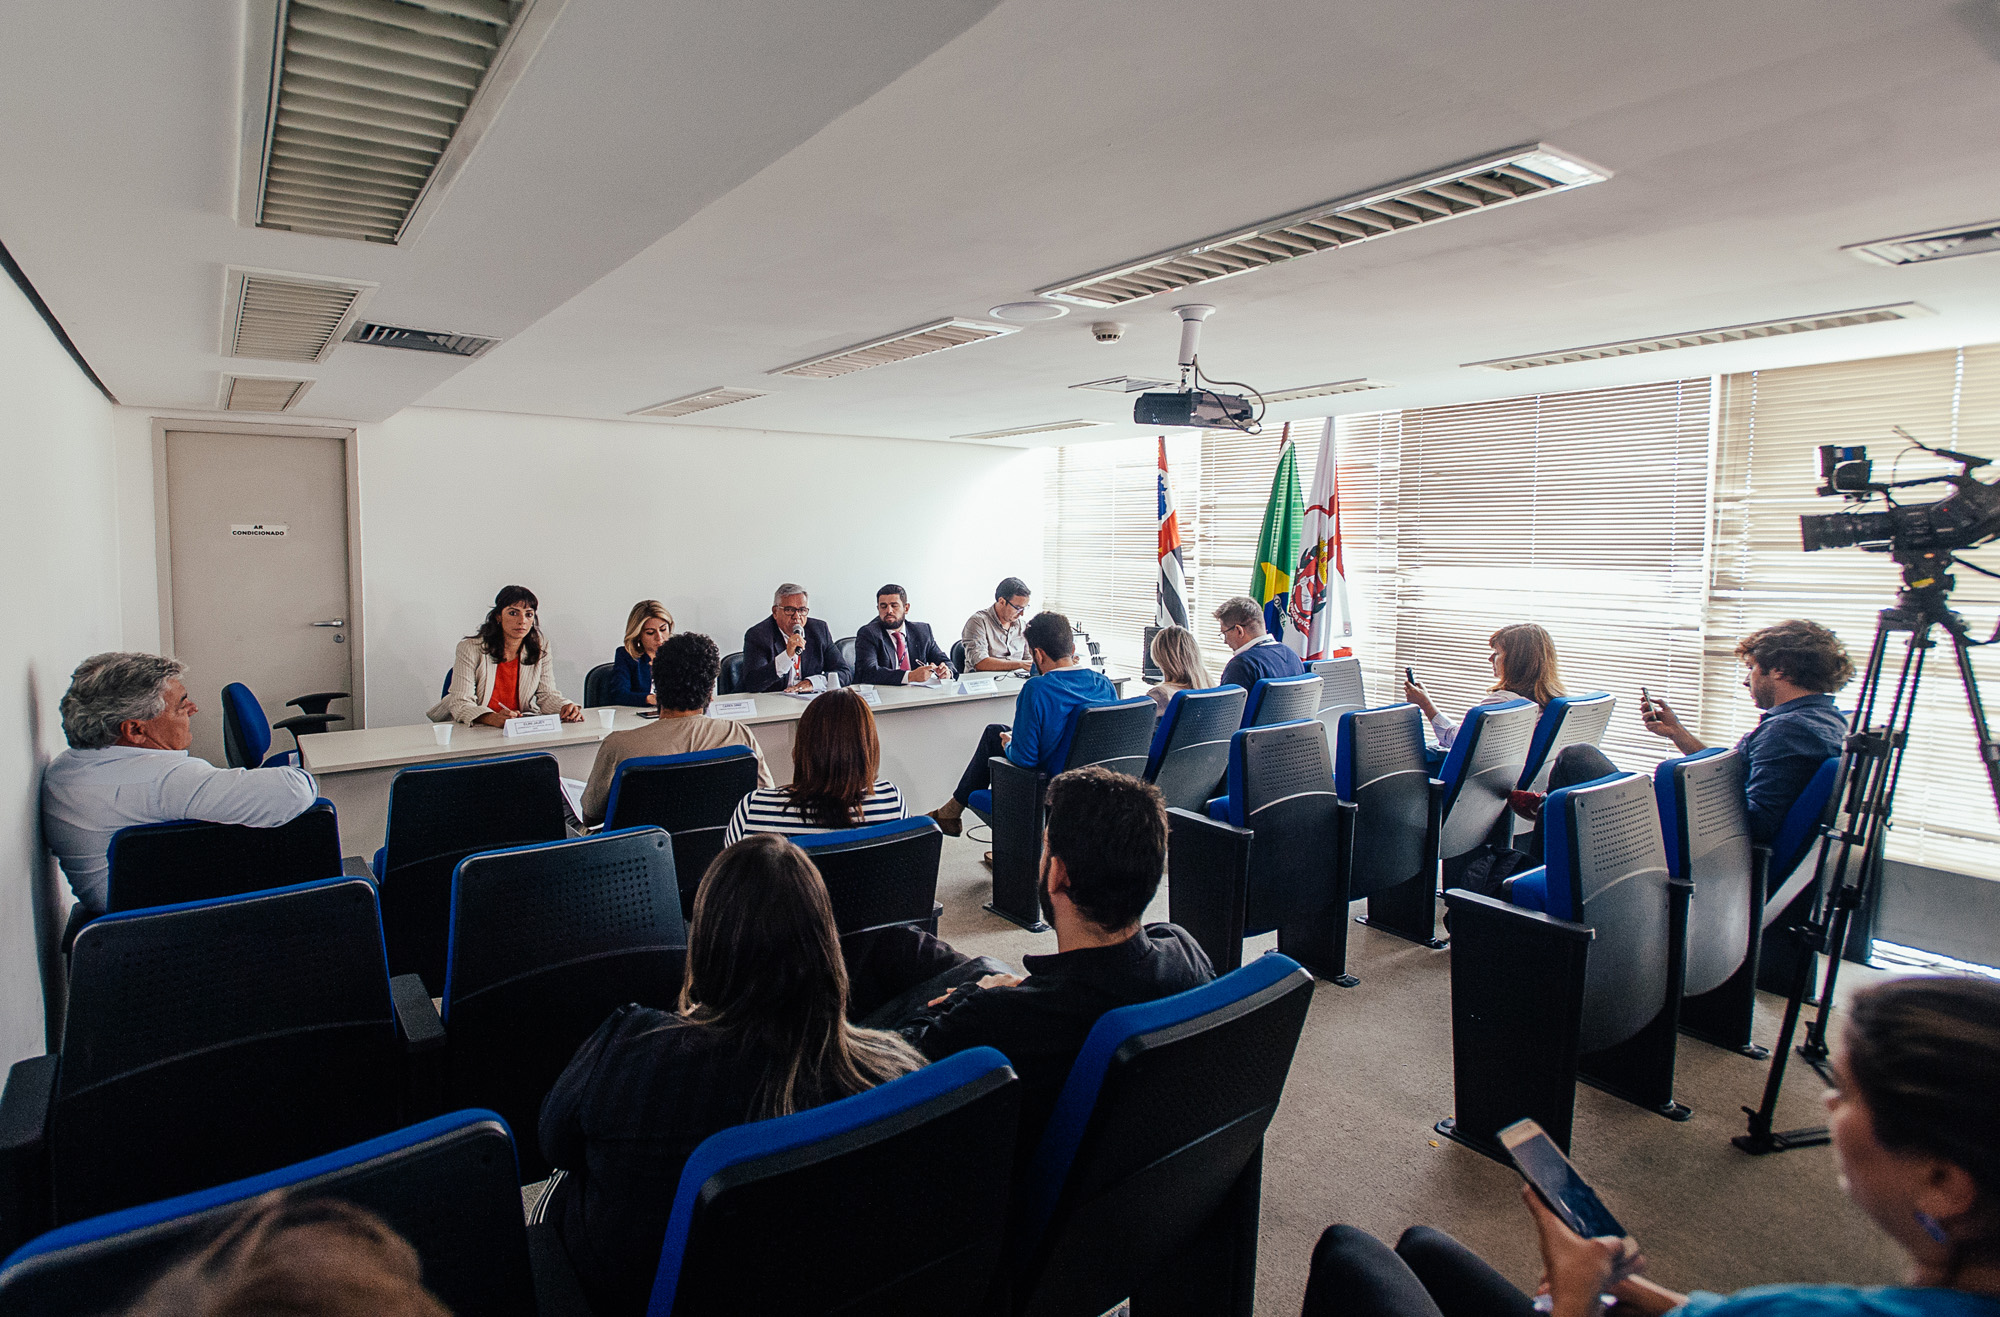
point(789, 648)
point(893, 649)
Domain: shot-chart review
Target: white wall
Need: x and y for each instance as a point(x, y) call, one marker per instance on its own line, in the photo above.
point(59, 535)
point(596, 515)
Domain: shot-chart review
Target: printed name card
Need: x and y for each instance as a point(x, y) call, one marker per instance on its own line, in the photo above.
point(529, 726)
point(977, 685)
point(868, 693)
point(732, 708)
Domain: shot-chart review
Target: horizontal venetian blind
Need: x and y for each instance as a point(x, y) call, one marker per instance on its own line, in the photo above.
point(1236, 474)
point(1772, 423)
point(1368, 464)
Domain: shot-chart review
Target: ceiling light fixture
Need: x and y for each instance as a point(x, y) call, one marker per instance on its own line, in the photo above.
point(1028, 312)
point(706, 400)
point(918, 342)
point(1124, 384)
point(1327, 390)
point(1938, 244)
point(1699, 338)
point(1051, 428)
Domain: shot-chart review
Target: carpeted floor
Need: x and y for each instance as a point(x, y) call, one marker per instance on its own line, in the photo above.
point(1353, 1140)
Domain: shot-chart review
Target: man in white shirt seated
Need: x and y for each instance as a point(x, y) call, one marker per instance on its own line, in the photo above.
point(127, 719)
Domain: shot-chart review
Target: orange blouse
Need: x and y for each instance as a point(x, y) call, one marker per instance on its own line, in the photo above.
point(506, 687)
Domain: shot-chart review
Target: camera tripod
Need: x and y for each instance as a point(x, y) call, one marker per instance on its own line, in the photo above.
point(1853, 849)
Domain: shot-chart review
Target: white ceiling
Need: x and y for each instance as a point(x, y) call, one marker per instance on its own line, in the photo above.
point(682, 196)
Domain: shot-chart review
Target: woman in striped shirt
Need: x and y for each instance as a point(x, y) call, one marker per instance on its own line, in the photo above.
point(834, 761)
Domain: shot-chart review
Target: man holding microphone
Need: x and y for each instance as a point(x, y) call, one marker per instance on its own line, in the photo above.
point(788, 649)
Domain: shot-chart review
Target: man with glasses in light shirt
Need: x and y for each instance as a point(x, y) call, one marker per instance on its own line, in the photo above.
point(789, 648)
point(996, 638)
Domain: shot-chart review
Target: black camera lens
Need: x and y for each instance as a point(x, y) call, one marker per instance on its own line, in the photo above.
point(1841, 530)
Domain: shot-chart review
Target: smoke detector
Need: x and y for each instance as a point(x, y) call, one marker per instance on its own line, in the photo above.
point(1107, 331)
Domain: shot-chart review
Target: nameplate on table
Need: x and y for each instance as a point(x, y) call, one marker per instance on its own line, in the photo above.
point(732, 708)
point(868, 693)
point(978, 685)
point(530, 726)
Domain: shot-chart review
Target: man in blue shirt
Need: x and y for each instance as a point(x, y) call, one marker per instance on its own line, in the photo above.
point(1039, 738)
point(1791, 672)
point(1258, 653)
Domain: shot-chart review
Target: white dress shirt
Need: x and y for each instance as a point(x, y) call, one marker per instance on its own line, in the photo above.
point(87, 795)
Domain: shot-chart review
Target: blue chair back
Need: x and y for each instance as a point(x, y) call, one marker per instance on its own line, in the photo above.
point(1706, 831)
point(1379, 765)
point(1190, 749)
point(438, 815)
point(1341, 690)
point(1283, 700)
point(729, 678)
point(892, 1201)
point(1607, 867)
point(191, 860)
point(547, 941)
point(246, 732)
point(690, 795)
point(597, 685)
point(218, 1039)
point(880, 875)
point(1116, 736)
point(1566, 720)
point(446, 689)
point(1485, 762)
point(1161, 1118)
point(446, 1185)
point(1808, 818)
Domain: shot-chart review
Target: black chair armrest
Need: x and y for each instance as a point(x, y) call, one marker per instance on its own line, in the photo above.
point(356, 866)
point(1208, 867)
point(316, 703)
point(423, 1031)
point(24, 1161)
point(1533, 921)
point(305, 724)
point(557, 1291)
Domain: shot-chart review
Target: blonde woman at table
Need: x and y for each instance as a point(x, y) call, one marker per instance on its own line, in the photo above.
point(646, 629)
point(504, 669)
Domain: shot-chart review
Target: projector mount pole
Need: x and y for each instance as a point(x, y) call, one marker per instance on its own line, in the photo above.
point(1192, 314)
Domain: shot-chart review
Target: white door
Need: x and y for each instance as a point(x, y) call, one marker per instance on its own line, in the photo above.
point(257, 536)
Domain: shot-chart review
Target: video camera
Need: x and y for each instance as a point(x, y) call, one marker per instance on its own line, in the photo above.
point(1966, 518)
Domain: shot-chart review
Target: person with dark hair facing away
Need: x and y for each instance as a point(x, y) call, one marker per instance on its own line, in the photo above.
point(994, 638)
point(1256, 654)
point(1791, 671)
point(1911, 1116)
point(684, 671)
point(834, 761)
point(895, 648)
point(761, 1031)
point(303, 1257)
point(1102, 856)
point(1040, 736)
point(504, 669)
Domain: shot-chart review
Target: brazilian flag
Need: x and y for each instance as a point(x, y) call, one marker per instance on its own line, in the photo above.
point(1278, 544)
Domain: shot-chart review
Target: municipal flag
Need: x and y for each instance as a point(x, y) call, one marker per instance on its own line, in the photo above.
point(1278, 547)
point(1172, 609)
point(1319, 586)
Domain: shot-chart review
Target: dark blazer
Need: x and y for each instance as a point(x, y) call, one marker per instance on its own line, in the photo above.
point(875, 652)
point(631, 678)
point(764, 642)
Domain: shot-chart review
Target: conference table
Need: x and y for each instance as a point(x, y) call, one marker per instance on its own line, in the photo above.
point(927, 735)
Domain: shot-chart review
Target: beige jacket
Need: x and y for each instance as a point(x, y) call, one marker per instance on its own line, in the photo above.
point(472, 685)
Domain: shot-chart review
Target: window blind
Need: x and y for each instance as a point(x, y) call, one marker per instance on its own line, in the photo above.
point(1767, 466)
point(1236, 474)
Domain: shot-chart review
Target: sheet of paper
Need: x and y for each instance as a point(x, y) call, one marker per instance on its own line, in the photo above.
point(572, 792)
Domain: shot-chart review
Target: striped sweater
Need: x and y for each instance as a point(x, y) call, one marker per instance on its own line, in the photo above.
point(770, 809)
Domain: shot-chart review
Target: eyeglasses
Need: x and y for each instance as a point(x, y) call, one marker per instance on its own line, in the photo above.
point(795, 612)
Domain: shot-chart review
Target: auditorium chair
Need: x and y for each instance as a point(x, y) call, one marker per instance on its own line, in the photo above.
point(547, 941)
point(190, 860)
point(1340, 691)
point(447, 1186)
point(209, 1041)
point(1576, 974)
point(1480, 770)
point(1282, 700)
point(246, 732)
point(893, 1200)
point(1190, 750)
point(1566, 720)
point(692, 796)
point(1793, 888)
point(1116, 736)
point(438, 815)
point(1389, 856)
point(1267, 854)
point(1147, 1182)
point(597, 685)
point(881, 875)
point(729, 679)
point(1706, 829)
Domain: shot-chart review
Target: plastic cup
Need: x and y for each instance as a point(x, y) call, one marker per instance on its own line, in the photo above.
point(442, 731)
point(606, 717)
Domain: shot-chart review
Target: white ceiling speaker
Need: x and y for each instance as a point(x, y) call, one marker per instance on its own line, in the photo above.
point(1108, 331)
point(1029, 312)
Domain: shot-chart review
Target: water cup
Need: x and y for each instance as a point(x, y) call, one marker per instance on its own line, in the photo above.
point(442, 731)
point(606, 717)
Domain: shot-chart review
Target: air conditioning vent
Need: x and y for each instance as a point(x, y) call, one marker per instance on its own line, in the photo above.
point(1480, 185)
point(1125, 384)
point(1699, 338)
point(1970, 240)
point(700, 402)
point(1051, 428)
point(286, 317)
point(1326, 390)
point(370, 107)
point(918, 342)
point(421, 340)
point(256, 393)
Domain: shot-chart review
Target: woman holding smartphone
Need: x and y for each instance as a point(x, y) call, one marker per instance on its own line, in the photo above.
point(1524, 667)
point(1911, 1119)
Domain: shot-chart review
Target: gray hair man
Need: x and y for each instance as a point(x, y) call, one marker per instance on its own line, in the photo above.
point(790, 648)
point(129, 721)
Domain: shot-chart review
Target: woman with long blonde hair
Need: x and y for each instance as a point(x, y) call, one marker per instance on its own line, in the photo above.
point(647, 627)
point(1524, 667)
point(1181, 668)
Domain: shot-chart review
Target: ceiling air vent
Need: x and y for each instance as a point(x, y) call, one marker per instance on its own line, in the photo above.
point(700, 402)
point(1051, 428)
point(421, 340)
point(1325, 390)
point(1125, 384)
point(1969, 240)
point(362, 111)
point(1479, 185)
point(255, 393)
point(1870, 315)
point(924, 339)
point(286, 317)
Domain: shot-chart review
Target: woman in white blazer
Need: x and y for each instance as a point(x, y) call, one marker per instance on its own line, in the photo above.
point(504, 669)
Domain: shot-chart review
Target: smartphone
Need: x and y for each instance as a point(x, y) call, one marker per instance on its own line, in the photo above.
point(1543, 1165)
point(1410, 676)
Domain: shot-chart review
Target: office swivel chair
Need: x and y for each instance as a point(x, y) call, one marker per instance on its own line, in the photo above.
point(597, 685)
point(729, 680)
point(246, 732)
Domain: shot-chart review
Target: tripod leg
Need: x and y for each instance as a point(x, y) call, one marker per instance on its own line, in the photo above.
point(1989, 751)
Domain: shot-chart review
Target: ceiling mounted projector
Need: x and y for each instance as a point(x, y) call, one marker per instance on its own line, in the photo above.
point(1195, 405)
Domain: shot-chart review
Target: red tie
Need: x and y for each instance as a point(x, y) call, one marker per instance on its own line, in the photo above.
point(902, 654)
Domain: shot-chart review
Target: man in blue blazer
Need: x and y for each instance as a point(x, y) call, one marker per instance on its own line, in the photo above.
point(790, 647)
point(893, 649)
point(1256, 653)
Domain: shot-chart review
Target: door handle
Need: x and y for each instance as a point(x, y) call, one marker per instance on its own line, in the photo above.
point(338, 621)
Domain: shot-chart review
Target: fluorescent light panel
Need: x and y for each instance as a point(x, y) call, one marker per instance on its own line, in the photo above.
point(1327, 390)
point(706, 400)
point(1051, 428)
point(1937, 245)
point(1125, 384)
point(256, 393)
point(918, 342)
point(1699, 338)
